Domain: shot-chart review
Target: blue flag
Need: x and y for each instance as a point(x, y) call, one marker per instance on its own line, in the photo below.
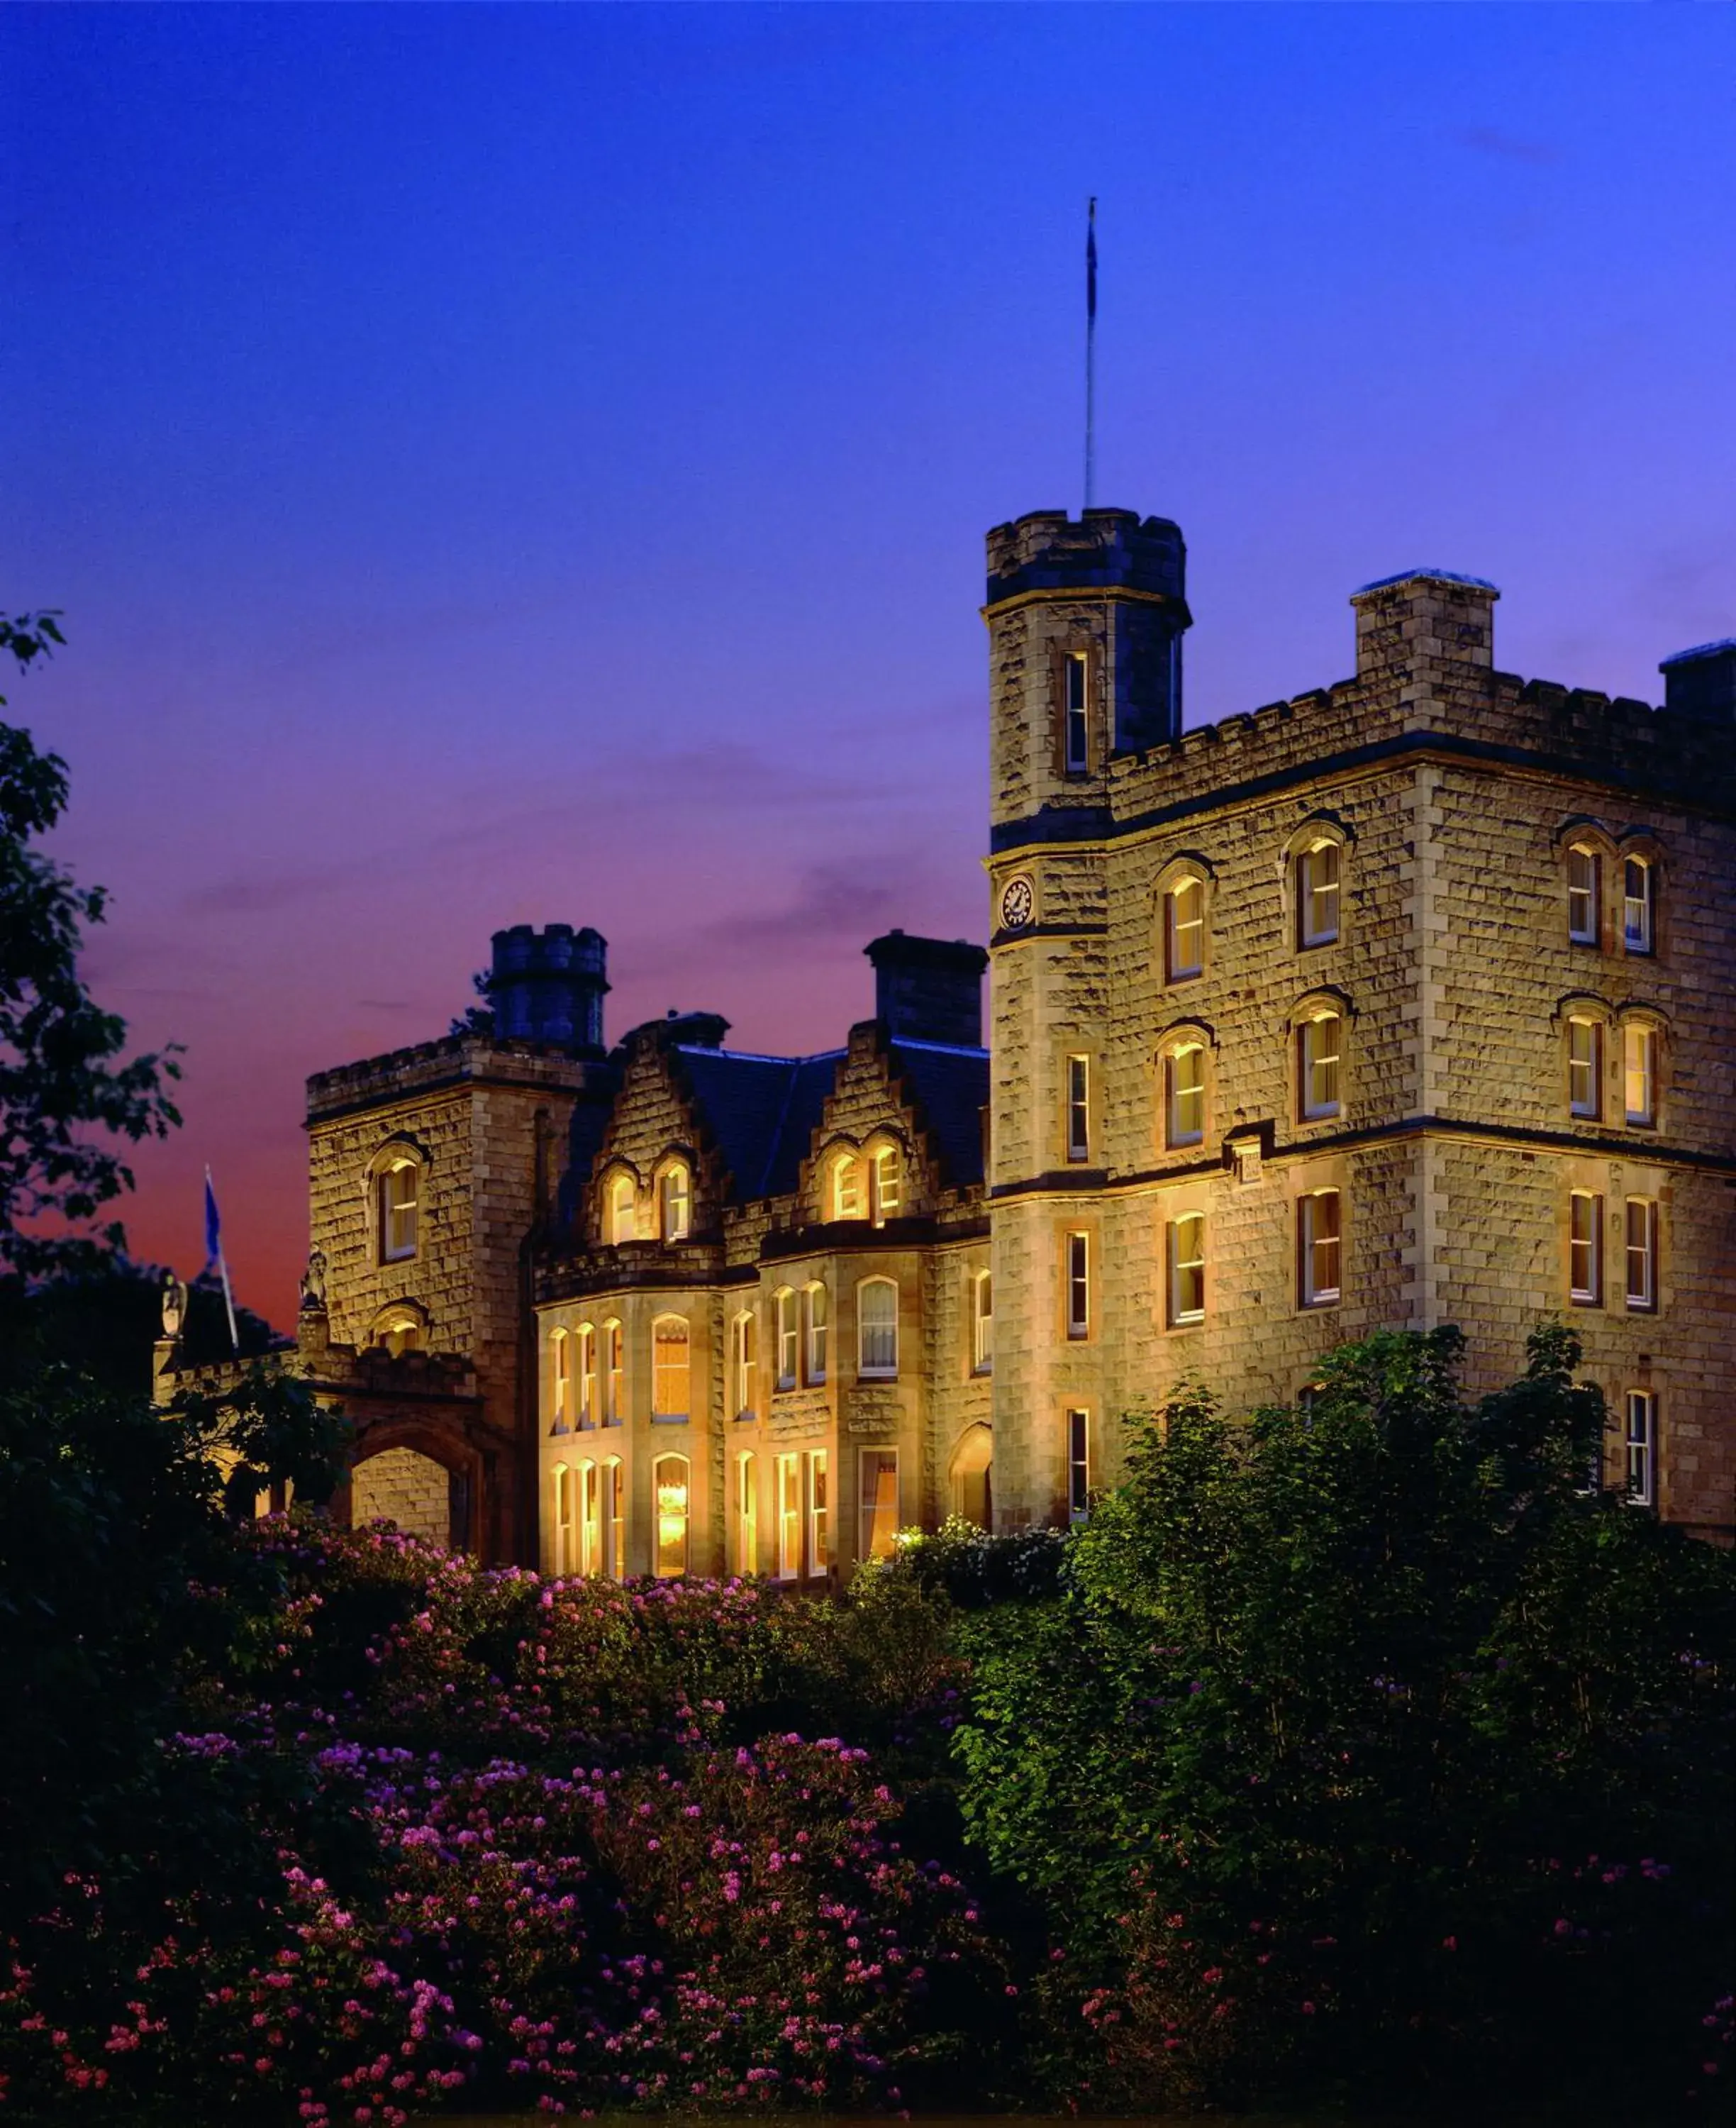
point(213, 1226)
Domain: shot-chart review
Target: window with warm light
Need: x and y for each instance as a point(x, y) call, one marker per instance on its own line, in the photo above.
point(397, 1330)
point(887, 1180)
point(846, 1186)
point(1076, 1255)
point(1319, 1247)
point(563, 1518)
point(623, 1205)
point(1079, 1464)
point(814, 1328)
point(1185, 1095)
point(1078, 1107)
point(615, 1518)
point(1318, 1040)
point(675, 1207)
point(1185, 1250)
point(590, 1519)
point(1641, 1254)
point(585, 1338)
point(1640, 1433)
point(819, 1511)
point(1075, 714)
point(1584, 1069)
point(671, 1372)
point(746, 1514)
point(560, 1371)
point(877, 1503)
point(787, 1311)
point(1639, 1074)
point(744, 1362)
point(399, 1191)
point(982, 1322)
point(1585, 1248)
point(1317, 878)
point(1184, 930)
point(1638, 887)
point(1585, 871)
point(876, 1305)
point(614, 1374)
point(669, 1496)
point(786, 1472)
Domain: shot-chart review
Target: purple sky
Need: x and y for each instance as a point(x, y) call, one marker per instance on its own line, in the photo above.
point(510, 464)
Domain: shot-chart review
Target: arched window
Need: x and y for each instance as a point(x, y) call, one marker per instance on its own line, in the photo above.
point(675, 1201)
point(563, 1518)
point(788, 1311)
point(1185, 1255)
point(887, 1183)
point(669, 1490)
point(623, 1205)
point(846, 1186)
point(1639, 1073)
point(746, 1514)
point(615, 1518)
point(877, 1503)
point(813, 1305)
point(614, 1374)
point(1317, 884)
point(982, 1322)
point(1184, 928)
point(585, 1338)
point(1184, 1094)
point(399, 1187)
point(745, 1362)
point(876, 1301)
point(590, 1520)
point(1585, 1068)
point(560, 1373)
point(1319, 1051)
point(670, 1371)
point(819, 1510)
point(1639, 905)
point(786, 1478)
point(1319, 1248)
point(972, 1495)
point(400, 1328)
point(1585, 892)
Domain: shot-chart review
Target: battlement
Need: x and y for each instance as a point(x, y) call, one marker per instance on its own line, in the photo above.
point(549, 985)
point(454, 1059)
point(1100, 550)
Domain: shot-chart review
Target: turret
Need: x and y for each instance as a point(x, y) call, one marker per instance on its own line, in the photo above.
point(549, 985)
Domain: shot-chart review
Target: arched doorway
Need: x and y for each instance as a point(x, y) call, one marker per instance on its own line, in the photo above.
point(403, 1486)
point(972, 1494)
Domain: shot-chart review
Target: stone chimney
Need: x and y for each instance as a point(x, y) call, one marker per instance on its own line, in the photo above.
point(1422, 621)
point(549, 985)
point(1700, 683)
point(929, 990)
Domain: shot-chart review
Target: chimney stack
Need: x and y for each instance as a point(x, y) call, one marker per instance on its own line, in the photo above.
point(929, 990)
point(1700, 683)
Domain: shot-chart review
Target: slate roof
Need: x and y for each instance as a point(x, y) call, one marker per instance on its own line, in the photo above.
point(951, 1087)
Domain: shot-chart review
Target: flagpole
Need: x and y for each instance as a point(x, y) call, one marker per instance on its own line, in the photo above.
point(214, 1244)
point(1090, 352)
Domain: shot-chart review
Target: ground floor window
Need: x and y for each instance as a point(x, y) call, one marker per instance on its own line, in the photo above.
point(877, 1501)
point(669, 1489)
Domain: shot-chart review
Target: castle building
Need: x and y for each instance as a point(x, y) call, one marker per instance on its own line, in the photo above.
point(1404, 1002)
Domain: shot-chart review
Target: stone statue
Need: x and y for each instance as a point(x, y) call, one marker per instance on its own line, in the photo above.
point(313, 1284)
point(174, 1305)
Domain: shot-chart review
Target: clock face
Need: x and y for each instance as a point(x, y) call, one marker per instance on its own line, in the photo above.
point(1019, 899)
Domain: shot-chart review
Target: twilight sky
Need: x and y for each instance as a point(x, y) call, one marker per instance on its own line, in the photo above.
point(503, 464)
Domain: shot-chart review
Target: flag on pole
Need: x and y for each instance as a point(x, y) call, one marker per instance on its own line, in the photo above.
point(214, 1254)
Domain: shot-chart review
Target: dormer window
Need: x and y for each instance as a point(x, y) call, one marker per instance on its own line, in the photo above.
point(676, 1202)
point(1637, 883)
point(1317, 879)
point(1075, 720)
point(622, 1207)
point(847, 1187)
point(887, 1183)
point(399, 1192)
point(1584, 868)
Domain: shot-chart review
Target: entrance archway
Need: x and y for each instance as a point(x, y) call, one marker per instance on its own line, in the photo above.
point(401, 1485)
point(972, 1492)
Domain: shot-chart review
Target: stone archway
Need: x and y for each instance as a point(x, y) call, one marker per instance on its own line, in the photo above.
point(403, 1486)
point(973, 1495)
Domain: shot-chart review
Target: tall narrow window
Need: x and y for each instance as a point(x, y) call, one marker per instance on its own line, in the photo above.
point(1319, 1246)
point(1585, 1249)
point(1638, 887)
point(1641, 1431)
point(876, 1302)
point(877, 1503)
point(563, 1518)
point(622, 1195)
point(819, 1512)
point(585, 1337)
point(1078, 1107)
point(1078, 1259)
point(669, 1497)
point(675, 1210)
point(1639, 1074)
point(1641, 1254)
point(560, 1368)
point(1075, 717)
point(590, 1519)
point(1079, 1464)
point(1185, 1095)
point(398, 1208)
point(787, 1479)
point(1316, 895)
point(886, 1180)
point(847, 1187)
point(1185, 929)
point(615, 1516)
point(746, 1514)
point(1186, 1250)
point(614, 1374)
point(1585, 1068)
point(789, 1339)
point(813, 1305)
point(745, 1363)
point(1318, 1043)
point(982, 1322)
point(670, 1371)
point(1584, 871)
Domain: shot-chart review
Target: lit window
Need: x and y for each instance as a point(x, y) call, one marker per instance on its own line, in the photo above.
point(877, 1501)
point(1585, 1249)
point(1079, 1285)
point(675, 1210)
point(789, 1339)
point(1319, 1247)
point(563, 1519)
point(888, 1184)
point(1641, 1441)
point(590, 1519)
point(746, 1514)
point(669, 1490)
point(560, 1362)
point(614, 1374)
point(1078, 1107)
point(982, 1324)
point(1641, 1254)
point(1585, 1068)
point(398, 1193)
point(1639, 1074)
point(1185, 1095)
point(847, 1187)
point(745, 1363)
point(787, 1476)
point(819, 1513)
point(1638, 885)
point(621, 1209)
point(1185, 929)
point(1186, 1250)
point(1075, 732)
point(1316, 895)
point(1584, 868)
point(585, 1338)
point(1318, 1042)
point(669, 1372)
point(615, 1516)
point(1079, 1464)
point(876, 1300)
point(398, 1330)
point(813, 1303)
